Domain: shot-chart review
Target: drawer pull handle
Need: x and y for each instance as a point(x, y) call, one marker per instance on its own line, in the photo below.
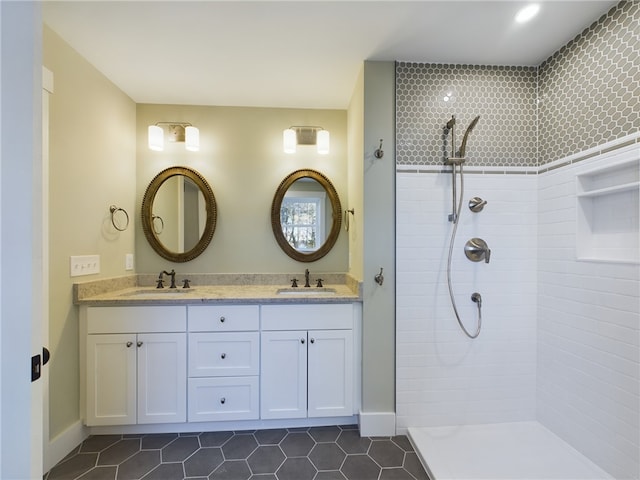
point(222, 400)
point(129, 344)
point(222, 319)
point(139, 343)
point(313, 340)
point(223, 356)
point(302, 341)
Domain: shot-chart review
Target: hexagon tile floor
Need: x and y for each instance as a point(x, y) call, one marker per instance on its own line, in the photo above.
point(316, 453)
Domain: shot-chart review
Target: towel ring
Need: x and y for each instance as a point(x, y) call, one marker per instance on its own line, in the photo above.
point(113, 209)
point(346, 218)
point(153, 222)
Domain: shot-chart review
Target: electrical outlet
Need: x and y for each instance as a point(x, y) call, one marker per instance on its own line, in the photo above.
point(84, 265)
point(128, 261)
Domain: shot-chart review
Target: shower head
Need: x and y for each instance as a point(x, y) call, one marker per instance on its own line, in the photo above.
point(463, 146)
point(451, 122)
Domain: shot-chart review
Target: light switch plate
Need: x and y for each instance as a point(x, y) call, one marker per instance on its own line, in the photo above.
point(84, 265)
point(128, 261)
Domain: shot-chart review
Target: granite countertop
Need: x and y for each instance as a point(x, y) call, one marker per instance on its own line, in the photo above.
point(134, 290)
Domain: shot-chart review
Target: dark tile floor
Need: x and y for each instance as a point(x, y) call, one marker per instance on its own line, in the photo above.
point(316, 453)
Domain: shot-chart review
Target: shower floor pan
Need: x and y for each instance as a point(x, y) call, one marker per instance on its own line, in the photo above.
point(505, 451)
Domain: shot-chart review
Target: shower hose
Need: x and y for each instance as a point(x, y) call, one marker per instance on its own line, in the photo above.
point(457, 212)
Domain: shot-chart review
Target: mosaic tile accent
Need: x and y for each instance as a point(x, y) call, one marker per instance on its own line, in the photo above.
point(590, 88)
point(504, 97)
point(584, 95)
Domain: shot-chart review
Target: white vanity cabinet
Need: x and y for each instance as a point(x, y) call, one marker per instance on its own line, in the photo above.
point(224, 359)
point(307, 366)
point(219, 365)
point(135, 366)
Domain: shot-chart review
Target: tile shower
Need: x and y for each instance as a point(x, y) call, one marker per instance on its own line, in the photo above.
point(560, 341)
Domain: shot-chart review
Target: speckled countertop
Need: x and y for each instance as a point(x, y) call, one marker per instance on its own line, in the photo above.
point(216, 288)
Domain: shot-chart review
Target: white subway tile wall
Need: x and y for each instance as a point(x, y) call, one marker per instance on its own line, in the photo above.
point(443, 377)
point(588, 335)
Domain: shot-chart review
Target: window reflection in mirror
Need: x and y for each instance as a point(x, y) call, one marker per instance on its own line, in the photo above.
point(305, 215)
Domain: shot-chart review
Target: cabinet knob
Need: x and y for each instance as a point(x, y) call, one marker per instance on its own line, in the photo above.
point(223, 356)
point(222, 319)
point(129, 344)
point(222, 400)
point(139, 343)
point(313, 340)
point(302, 340)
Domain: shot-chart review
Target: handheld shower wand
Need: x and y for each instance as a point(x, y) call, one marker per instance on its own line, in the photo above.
point(463, 146)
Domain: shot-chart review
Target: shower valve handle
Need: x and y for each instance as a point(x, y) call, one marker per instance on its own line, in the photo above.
point(477, 250)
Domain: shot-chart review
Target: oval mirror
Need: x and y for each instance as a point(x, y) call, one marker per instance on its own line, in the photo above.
point(179, 214)
point(306, 215)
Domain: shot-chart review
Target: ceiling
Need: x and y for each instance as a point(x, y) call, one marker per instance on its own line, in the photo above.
point(298, 54)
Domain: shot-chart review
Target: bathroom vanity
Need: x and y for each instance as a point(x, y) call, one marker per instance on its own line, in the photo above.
point(219, 357)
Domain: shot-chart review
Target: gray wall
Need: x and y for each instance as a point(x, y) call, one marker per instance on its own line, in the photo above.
point(378, 359)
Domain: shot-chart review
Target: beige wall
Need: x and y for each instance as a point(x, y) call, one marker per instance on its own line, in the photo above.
point(99, 157)
point(241, 158)
point(92, 166)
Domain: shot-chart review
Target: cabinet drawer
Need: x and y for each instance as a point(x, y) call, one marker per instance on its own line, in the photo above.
point(334, 316)
point(223, 318)
point(160, 318)
point(224, 354)
point(223, 398)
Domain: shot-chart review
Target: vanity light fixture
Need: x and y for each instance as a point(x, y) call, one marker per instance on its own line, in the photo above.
point(294, 136)
point(178, 132)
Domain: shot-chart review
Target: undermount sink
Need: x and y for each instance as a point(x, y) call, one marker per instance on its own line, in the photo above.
point(306, 291)
point(157, 292)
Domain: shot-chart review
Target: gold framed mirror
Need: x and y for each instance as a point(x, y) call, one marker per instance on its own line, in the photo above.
point(306, 215)
point(179, 214)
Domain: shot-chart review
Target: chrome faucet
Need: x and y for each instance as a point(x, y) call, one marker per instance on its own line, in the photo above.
point(172, 273)
point(306, 278)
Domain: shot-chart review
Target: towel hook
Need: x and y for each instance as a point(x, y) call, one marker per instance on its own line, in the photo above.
point(346, 218)
point(379, 153)
point(113, 209)
point(379, 278)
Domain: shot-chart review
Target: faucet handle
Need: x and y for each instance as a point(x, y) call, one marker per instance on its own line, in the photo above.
point(319, 284)
point(185, 283)
point(160, 283)
point(294, 282)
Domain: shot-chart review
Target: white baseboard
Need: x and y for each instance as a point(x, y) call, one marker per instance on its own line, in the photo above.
point(377, 424)
point(60, 446)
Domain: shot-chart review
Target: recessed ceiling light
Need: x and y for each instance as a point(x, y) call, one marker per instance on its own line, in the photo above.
point(527, 13)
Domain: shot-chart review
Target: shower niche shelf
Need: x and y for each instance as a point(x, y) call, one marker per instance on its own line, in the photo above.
point(608, 212)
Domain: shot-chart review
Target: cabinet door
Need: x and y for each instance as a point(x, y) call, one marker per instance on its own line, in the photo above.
point(330, 357)
point(162, 377)
point(283, 375)
point(111, 379)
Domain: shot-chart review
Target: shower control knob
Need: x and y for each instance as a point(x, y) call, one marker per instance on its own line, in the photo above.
point(476, 204)
point(477, 250)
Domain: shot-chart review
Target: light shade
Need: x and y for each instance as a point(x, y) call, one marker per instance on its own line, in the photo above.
point(322, 141)
point(192, 138)
point(289, 140)
point(156, 138)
